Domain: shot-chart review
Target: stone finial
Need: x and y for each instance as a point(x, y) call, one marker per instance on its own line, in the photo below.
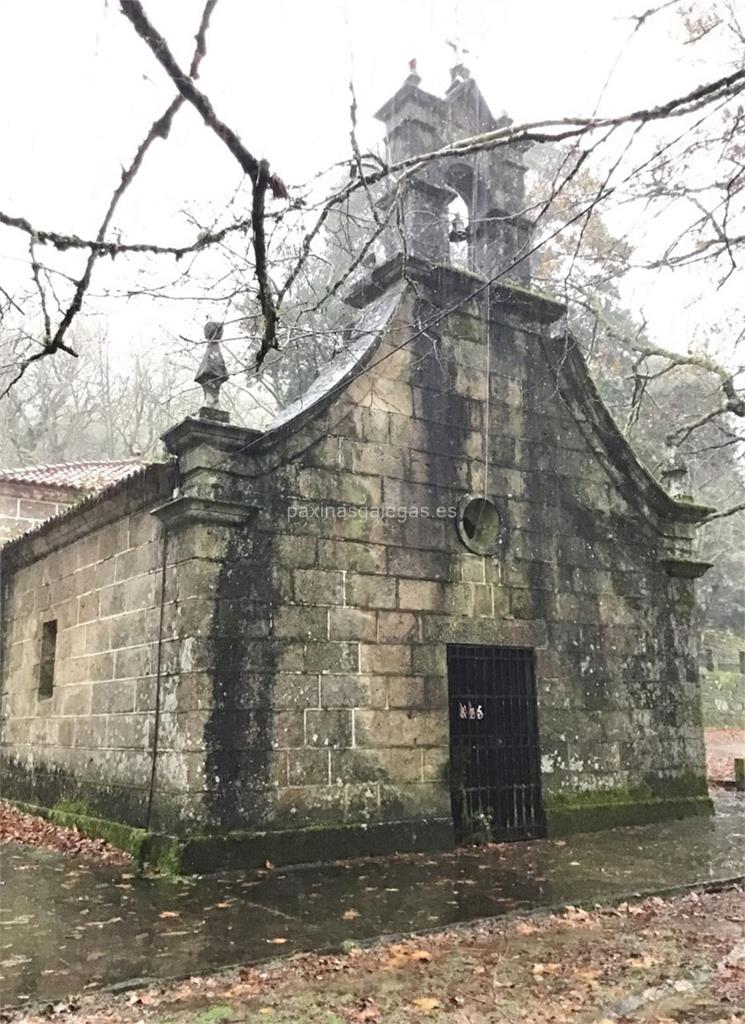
point(213, 330)
point(413, 78)
point(674, 474)
point(459, 73)
point(212, 374)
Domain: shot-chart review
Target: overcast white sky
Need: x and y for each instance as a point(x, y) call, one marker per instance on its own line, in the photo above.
point(80, 90)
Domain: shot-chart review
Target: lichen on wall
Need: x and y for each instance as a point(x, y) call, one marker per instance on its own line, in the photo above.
point(295, 648)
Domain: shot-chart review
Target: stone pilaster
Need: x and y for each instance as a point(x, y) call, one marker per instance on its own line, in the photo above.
point(204, 521)
point(414, 122)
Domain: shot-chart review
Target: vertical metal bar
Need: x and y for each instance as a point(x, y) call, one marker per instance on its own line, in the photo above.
point(494, 739)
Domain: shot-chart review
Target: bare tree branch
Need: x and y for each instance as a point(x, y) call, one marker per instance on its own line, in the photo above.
point(545, 131)
point(733, 403)
point(159, 129)
point(62, 242)
point(724, 514)
point(257, 170)
point(266, 301)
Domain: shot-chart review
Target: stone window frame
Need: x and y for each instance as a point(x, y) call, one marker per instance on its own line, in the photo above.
point(47, 659)
point(493, 538)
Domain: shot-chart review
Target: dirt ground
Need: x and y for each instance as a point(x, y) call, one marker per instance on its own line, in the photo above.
point(661, 961)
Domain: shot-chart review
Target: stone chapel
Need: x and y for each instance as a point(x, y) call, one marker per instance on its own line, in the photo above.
point(437, 599)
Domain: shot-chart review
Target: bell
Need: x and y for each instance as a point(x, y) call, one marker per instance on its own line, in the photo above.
point(458, 230)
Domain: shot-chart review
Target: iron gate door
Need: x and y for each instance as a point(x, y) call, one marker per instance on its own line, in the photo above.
point(494, 753)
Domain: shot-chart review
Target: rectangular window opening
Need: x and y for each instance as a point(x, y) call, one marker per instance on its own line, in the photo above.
point(48, 658)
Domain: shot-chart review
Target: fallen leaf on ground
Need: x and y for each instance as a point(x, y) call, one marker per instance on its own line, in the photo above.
point(349, 915)
point(525, 928)
point(421, 954)
point(20, 827)
point(546, 968)
point(366, 1011)
point(276, 942)
point(575, 913)
point(169, 913)
point(426, 1004)
point(642, 961)
point(590, 974)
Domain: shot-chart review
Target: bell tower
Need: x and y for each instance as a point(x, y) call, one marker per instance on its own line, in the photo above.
point(491, 182)
point(415, 122)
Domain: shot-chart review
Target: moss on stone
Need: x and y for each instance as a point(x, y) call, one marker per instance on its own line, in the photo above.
point(595, 818)
point(200, 854)
point(654, 790)
point(49, 786)
point(124, 837)
point(81, 807)
point(162, 853)
point(593, 811)
point(577, 799)
point(218, 850)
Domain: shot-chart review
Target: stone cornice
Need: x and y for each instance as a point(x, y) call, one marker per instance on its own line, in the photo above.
point(187, 509)
point(416, 97)
point(192, 432)
point(525, 303)
point(449, 284)
point(685, 568)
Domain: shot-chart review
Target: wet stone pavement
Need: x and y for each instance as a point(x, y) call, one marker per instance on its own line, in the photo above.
point(67, 926)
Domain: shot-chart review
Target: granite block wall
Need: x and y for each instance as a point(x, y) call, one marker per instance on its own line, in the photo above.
point(265, 647)
point(98, 575)
point(334, 708)
point(24, 506)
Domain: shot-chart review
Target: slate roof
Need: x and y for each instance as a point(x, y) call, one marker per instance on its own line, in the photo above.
point(78, 476)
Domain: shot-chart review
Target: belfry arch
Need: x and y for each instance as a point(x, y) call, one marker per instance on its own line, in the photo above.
point(491, 183)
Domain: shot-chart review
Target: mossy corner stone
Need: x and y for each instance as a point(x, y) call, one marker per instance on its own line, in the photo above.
point(564, 819)
point(236, 850)
point(239, 850)
point(160, 852)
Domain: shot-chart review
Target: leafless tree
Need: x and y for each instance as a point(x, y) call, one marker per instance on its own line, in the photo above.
point(281, 258)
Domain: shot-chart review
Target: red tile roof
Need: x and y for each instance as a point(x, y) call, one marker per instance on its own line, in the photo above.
point(79, 476)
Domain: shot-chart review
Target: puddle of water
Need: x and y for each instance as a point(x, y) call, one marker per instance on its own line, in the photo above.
point(66, 926)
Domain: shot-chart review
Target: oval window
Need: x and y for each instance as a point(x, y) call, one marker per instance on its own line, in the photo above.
point(479, 525)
